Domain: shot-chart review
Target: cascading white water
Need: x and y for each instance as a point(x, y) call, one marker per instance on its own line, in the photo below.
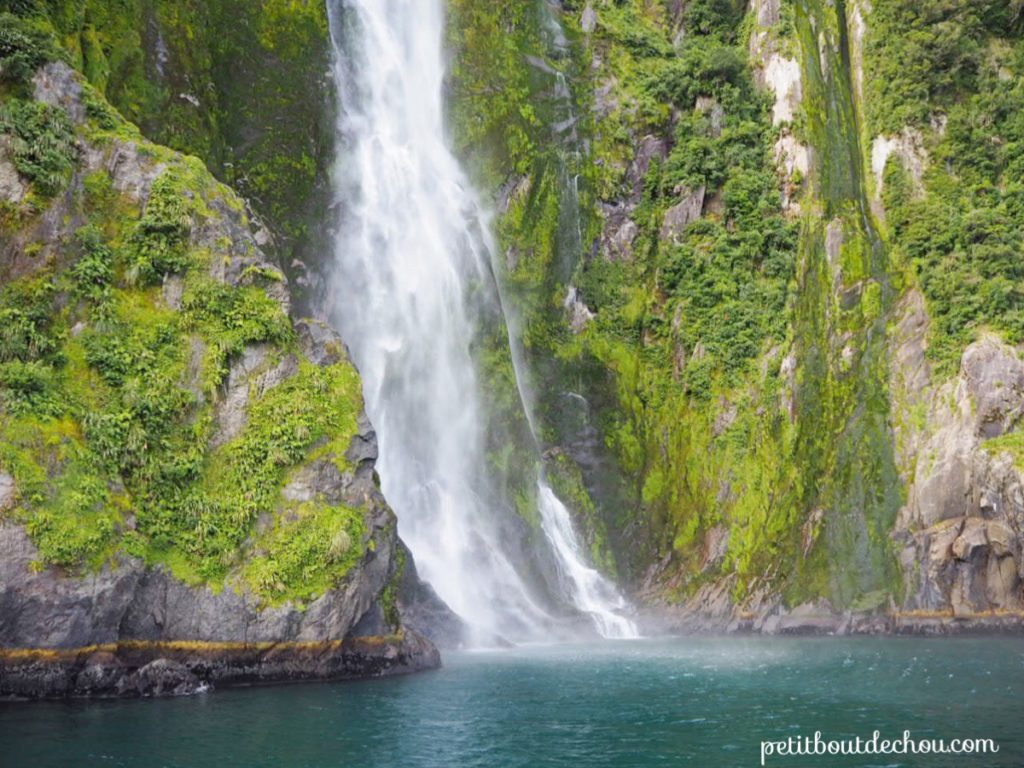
point(411, 271)
point(589, 590)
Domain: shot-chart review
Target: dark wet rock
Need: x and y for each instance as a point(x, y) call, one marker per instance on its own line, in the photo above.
point(45, 608)
point(160, 677)
point(422, 610)
point(175, 669)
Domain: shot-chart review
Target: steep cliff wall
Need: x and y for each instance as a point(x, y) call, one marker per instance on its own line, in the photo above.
point(187, 492)
point(764, 262)
point(781, 358)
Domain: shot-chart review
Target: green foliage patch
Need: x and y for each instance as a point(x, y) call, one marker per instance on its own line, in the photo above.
point(42, 143)
point(306, 552)
point(209, 519)
point(961, 231)
point(25, 45)
point(107, 398)
point(923, 55)
point(157, 246)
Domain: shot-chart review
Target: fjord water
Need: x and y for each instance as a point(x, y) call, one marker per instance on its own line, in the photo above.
point(706, 703)
point(412, 283)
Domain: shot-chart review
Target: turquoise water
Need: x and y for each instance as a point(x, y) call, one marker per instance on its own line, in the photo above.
point(686, 702)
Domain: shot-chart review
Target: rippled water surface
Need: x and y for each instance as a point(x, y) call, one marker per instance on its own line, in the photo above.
point(699, 702)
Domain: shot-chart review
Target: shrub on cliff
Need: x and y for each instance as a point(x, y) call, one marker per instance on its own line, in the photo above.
point(42, 143)
point(24, 47)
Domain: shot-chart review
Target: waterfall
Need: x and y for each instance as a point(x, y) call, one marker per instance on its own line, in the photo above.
point(411, 280)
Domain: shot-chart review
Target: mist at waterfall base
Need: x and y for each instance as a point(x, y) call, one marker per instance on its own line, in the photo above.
point(411, 284)
point(703, 702)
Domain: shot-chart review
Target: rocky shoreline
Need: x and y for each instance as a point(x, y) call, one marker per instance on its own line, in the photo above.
point(810, 620)
point(140, 669)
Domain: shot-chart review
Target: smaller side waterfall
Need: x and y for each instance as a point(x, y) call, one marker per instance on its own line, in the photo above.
point(589, 590)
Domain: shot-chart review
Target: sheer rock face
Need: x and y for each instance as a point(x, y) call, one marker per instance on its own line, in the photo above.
point(960, 536)
point(962, 529)
point(129, 629)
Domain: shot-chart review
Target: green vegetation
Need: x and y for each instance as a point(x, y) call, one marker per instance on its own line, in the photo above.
point(240, 84)
point(157, 246)
point(228, 318)
point(24, 47)
point(306, 552)
point(209, 519)
point(708, 423)
point(492, 106)
point(925, 55)
point(1011, 443)
point(389, 597)
point(960, 231)
point(109, 420)
point(680, 326)
point(685, 323)
point(110, 380)
point(41, 142)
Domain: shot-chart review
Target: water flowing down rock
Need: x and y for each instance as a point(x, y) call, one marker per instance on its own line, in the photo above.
point(412, 289)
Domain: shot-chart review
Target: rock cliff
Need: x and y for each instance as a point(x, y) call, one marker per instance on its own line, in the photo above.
point(187, 486)
point(789, 331)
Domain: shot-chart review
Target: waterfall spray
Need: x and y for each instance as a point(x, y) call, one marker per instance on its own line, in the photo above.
point(409, 285)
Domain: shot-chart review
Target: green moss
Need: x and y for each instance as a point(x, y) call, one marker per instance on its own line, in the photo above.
point(1011, 443)
point(29, 328)
point(157, 246)
point(210, 518)
point(227, 319)
point(67, 506)
point(389, 597)
point(492, 109)
point(843, 446)
point(25, 44)
point(307, 552)
point(108, 395)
